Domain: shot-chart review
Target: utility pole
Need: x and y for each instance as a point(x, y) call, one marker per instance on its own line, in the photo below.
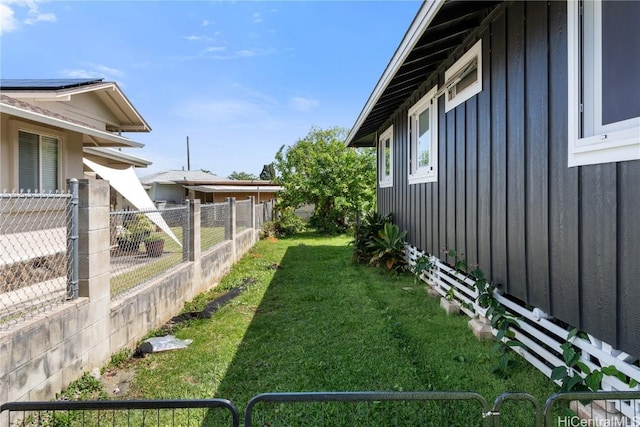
point(188, 157)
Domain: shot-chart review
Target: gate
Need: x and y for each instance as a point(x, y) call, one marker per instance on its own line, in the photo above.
point(197, 412)
point(427, 408)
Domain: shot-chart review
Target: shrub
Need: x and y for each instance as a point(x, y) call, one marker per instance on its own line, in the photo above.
point(328, 223)
point(370, 228)
point(388, 248)
point(286, 223)
point(269, 229)
point(138, 228)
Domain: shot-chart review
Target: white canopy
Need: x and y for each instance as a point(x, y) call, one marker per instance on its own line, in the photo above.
point(125, 182)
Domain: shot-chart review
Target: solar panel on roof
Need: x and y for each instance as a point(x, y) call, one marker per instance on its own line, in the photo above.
point(34, 84)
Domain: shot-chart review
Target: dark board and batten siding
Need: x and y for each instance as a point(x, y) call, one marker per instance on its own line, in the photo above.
point(558, 238)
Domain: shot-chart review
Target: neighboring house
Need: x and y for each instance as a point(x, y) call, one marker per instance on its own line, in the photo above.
point(503, 133)
point(46, 125)
point(175, 186)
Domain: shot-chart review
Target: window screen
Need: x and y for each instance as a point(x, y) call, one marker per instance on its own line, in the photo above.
point(28, 161)
point(620, 61)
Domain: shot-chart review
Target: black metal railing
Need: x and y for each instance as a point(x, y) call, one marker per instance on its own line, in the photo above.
point(368, 409)
point(428, 408)
point(196, 412)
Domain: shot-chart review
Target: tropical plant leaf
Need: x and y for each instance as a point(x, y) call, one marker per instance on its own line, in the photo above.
point(558, 373)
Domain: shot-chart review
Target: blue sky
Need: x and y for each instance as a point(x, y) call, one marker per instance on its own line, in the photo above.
point(239, 78)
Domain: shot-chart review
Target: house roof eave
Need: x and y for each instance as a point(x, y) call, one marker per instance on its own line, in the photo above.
point(108, 92)
point(438, 34)
point(94, 136)
point(118, 156)
point(423, 18)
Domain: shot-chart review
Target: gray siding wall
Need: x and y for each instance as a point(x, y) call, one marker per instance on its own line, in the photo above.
point(563, 239)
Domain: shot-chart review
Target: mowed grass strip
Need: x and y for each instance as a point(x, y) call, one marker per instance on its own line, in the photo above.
point(310, 320)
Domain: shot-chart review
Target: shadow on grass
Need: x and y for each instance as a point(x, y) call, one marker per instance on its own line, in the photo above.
point(324, 325)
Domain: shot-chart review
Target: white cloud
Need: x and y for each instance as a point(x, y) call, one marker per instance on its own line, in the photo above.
point(236, 106)
point(245, 53)
point(93, 71)
point(11, 14)
point(109, 71)
point(205, 23)
point(80, 74)
point(194, 38)
point(8, 21)
point(40, 17)
point(220, 111)
point(257, 18)
point(215, 49)
point(302, 104)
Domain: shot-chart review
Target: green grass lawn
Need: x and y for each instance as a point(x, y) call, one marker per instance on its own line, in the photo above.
point(145, 268)
point(311, 320)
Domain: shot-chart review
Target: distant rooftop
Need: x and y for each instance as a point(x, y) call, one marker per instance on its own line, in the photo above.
point(175, 176)
point(45, 84)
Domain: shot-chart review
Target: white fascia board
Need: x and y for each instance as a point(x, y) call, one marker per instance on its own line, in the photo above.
point(111, 87)
point(234, 188)
point(66, 94)
point(61, 94)
point(63, 124)
point(420, 23)
point(113, 154)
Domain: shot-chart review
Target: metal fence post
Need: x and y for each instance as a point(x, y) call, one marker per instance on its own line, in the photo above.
point(186, 232)
point(195, 230)
point(232, 226)
point(252, 209)
point(230, 229)
point(72, 237)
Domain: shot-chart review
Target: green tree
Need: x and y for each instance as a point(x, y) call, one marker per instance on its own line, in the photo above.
point(320, 170)
point(268, 172)
point(242, 176)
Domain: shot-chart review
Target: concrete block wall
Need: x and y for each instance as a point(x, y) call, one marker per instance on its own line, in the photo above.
point(45, 354)
point(40, 357)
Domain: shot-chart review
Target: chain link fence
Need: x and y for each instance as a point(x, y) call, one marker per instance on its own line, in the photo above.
point(214, 224)
point(244, 215)
point(258, 212)
point(141, 250)
point(268, 211)
point(37, 237)
point(34, 262)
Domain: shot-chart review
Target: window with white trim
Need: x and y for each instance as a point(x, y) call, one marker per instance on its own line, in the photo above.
point(38, 162)
point(604, 81)
point(385, 158)
point(463, 79)
point(423, 139)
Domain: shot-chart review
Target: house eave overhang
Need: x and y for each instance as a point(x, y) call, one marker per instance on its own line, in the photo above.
point(117, 156)
point(234, 188)
point(438, 29)
point(93, 137)
point(129, 119)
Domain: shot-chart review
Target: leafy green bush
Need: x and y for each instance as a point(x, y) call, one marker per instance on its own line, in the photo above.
point(370, 228)
point(328, 223)
point(388, 248)
point(269, 229)
point(138, 228)
point(287, 223)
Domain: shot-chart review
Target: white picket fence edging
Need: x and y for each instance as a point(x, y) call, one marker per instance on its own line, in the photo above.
point(538, 333)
